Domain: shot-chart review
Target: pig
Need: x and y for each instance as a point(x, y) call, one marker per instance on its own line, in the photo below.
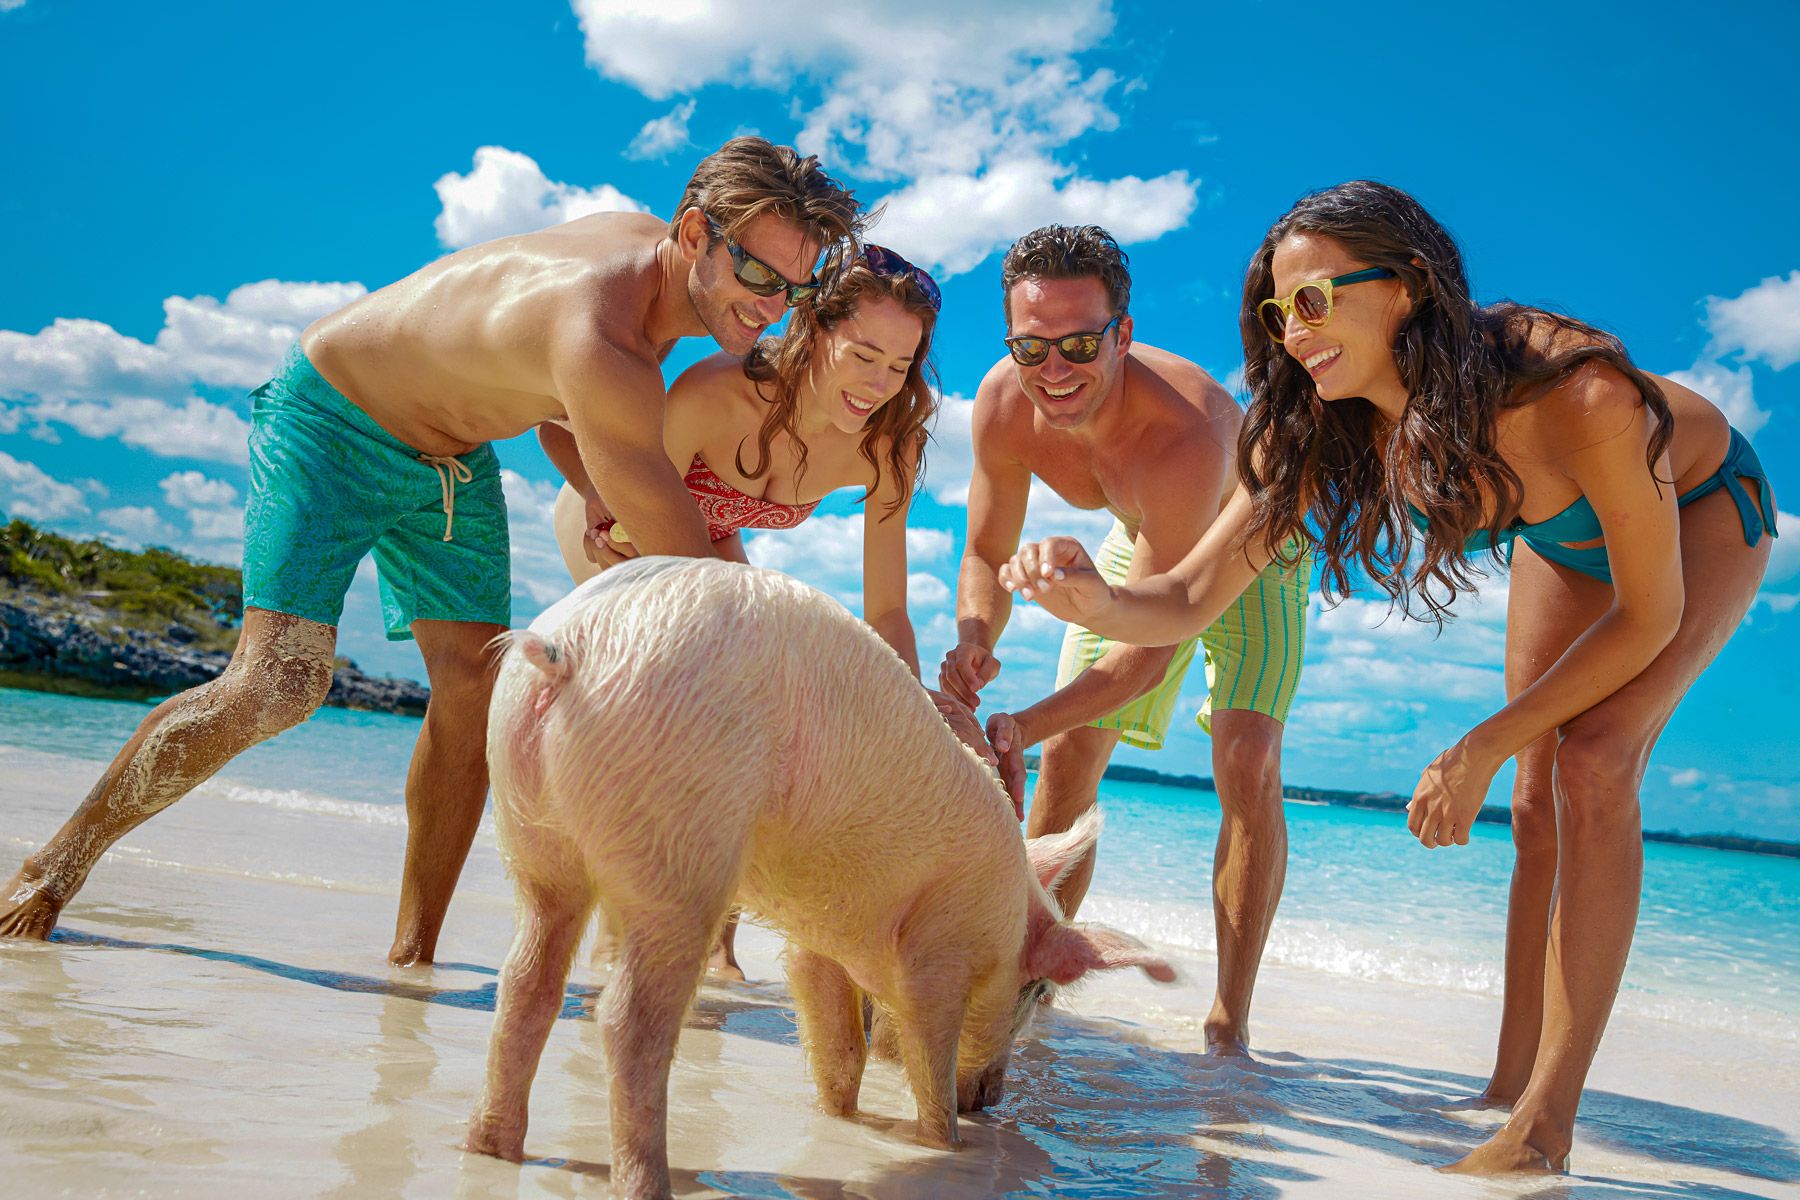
point(679, 735)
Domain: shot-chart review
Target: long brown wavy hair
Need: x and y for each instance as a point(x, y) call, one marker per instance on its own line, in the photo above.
point(1337, 475)
point(778, 366)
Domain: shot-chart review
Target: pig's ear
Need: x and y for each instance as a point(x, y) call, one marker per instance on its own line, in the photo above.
point(543, 654)
point(1063, 953)
point(1053, 856)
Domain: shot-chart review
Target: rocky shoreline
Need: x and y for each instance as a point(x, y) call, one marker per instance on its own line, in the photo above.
point(74, 645)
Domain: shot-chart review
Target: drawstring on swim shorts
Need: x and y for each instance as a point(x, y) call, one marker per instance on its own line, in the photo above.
point(451, 471)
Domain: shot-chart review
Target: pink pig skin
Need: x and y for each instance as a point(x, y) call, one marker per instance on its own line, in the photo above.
point(679, 734)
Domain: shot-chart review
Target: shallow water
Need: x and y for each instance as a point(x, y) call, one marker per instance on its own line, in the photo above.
point(1714, 947)
point(215, 1017)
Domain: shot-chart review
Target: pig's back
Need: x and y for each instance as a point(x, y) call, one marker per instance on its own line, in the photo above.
point(742, 698)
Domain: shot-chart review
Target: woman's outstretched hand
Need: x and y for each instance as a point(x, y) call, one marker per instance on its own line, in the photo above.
point(1059, 575)
point(1449, 795)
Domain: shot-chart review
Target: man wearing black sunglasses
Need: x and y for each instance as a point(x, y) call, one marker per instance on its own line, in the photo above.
point(373, 438)
point(1110, 423)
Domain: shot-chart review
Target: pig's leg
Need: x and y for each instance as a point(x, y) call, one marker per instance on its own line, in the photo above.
point(930, 1015)
point(658, 966)
point(831, 1027)
point(552, 910)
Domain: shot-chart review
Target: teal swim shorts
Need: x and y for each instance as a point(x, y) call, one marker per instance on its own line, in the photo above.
point(328, 485)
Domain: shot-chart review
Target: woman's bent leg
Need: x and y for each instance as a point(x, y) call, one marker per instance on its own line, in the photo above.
point(1600, 763)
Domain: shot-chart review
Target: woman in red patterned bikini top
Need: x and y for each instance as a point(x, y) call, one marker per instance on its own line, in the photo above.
point(842, 399)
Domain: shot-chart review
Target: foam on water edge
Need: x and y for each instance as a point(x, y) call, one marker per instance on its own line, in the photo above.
point(1335, 948)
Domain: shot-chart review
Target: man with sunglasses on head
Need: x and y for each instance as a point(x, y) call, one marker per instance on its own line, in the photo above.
point(373, 437)
point(1107, 422)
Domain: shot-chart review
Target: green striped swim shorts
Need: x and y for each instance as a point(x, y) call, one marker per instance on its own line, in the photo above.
point(1253, 651)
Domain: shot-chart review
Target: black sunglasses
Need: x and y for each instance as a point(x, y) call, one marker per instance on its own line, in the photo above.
point(757, 276)
point(1075, 347)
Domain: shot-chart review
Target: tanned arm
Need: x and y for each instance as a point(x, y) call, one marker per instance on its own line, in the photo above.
point(1178, 494)
point(884, 569)
point(614, 399)
point(998, 494)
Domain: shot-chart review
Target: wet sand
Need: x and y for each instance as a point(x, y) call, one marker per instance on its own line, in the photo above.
point(216, 1018)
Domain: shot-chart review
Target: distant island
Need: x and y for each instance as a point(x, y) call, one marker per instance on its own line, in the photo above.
point(1396, 803)
point(90, 619)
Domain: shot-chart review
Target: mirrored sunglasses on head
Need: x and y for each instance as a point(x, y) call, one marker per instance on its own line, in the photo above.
point(1075, 347)
point(886, 263)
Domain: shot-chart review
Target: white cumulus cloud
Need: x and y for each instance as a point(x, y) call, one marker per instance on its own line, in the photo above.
point(138, 522)
point(506, 192)
point(539, 576)
point(104, 384)
point(192, 489)
point(965, 107)
point(1762, 323)
point(28, 491)
point(193, 429)
point(1731, 388)
point(954, 221)
point(662, 136)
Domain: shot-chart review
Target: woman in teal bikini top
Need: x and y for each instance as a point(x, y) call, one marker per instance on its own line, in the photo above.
point(1374, 377)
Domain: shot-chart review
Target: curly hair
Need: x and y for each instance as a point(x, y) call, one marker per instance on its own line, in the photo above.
point(778, 365)
point(750, 176)
point(1068, 252)
point(1350, 469)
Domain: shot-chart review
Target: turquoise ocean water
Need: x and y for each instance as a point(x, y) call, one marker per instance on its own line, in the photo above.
point(1715, 942)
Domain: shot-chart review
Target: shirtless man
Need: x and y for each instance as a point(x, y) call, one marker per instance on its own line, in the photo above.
point(1151, 438)
point(373, 436)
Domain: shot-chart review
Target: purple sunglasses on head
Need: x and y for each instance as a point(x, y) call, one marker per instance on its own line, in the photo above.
point(883, 261)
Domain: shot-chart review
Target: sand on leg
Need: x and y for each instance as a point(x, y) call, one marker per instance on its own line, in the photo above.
point(1249, 867)
point(447, 783)
point(278, 676)
point(1600, 762)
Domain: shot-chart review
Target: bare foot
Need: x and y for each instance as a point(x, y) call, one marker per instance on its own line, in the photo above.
point(1226, 1041)
point(29, 908)
point(1500, 1095)
point(1508, 1152)
point(410, 950)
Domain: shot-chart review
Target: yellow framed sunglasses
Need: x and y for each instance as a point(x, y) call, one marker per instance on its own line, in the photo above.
point(1311, 301)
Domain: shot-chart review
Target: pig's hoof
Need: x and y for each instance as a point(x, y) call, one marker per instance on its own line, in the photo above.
point(28, 908)
point(495, 1144)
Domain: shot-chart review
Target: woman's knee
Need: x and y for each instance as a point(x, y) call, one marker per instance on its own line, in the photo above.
point(1534, 806)
point(1598, 774)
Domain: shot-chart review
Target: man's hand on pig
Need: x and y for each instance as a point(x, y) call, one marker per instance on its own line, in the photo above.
point(1008, 740)
point(962, 723)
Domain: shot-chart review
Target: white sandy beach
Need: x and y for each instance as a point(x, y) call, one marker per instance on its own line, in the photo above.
point(218, 1020)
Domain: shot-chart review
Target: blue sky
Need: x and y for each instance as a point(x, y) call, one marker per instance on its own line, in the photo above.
point(188, 184)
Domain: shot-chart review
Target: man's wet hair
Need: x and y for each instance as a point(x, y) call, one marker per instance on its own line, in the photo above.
point(750, 176)
point(1068, 252)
